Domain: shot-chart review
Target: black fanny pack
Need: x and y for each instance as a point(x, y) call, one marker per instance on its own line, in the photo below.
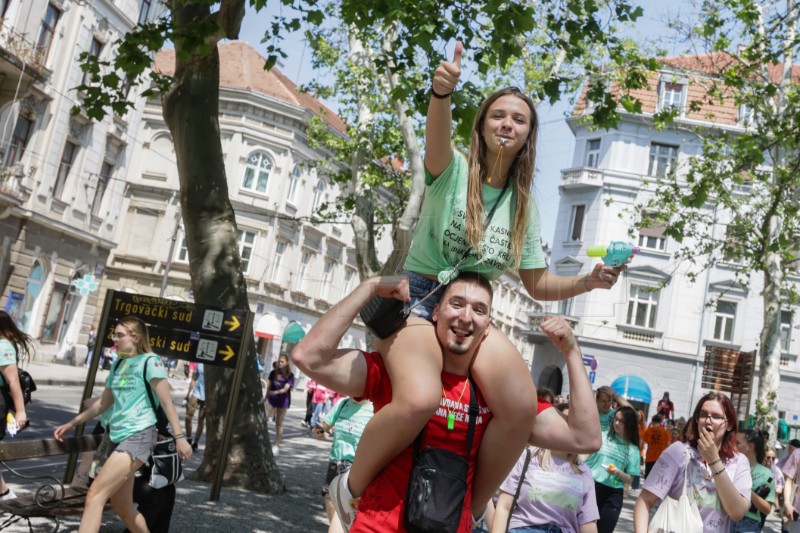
point(437, 487)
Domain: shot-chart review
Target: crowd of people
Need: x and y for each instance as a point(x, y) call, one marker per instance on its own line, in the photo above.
point(450, 388)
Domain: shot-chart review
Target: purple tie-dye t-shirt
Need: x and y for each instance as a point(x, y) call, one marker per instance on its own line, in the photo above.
point(666, 478)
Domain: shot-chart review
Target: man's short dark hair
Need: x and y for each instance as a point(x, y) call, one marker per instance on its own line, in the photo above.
point(471, 277)
point(795, 443)
point(656, 419)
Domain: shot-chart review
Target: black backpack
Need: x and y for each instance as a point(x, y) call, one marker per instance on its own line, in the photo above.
point(27, 385)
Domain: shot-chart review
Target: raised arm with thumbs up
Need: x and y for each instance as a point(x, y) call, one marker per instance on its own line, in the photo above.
point(438, 129)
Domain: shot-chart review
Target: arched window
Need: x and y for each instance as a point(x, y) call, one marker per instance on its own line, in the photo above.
point(319, 196)
point(32, 290)
point(256, 173)
point(294, 183)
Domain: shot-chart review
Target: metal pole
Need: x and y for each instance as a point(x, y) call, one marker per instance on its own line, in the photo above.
point(233, 399)
point(168, 264)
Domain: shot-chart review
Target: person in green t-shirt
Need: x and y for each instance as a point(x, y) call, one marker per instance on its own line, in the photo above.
point(614, 466)
point(750, 443)
point(15, 345)
point(454, 233)
point(346, 421)
point(132, 425)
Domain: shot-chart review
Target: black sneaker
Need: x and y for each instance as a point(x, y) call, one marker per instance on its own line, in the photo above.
point(194, 446)
point(190, 441)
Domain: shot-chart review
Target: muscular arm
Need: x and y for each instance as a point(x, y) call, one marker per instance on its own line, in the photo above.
point(317, 355)
point(579, 431)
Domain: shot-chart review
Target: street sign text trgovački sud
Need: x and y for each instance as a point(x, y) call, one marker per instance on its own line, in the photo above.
point(182, 330)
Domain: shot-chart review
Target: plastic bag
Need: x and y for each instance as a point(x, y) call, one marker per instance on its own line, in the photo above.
point(678, 516)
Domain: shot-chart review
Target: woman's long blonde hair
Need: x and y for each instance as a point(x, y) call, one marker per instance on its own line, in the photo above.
point(545, 459)
point(521, 172)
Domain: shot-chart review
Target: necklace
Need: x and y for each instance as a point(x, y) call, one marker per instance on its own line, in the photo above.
point(451, 414)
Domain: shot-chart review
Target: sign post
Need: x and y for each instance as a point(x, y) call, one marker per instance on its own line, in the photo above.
point(182, 330)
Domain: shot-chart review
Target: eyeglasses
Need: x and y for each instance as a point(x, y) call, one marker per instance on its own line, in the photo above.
point(711, 416)
point(115, 336)
point(620, 420)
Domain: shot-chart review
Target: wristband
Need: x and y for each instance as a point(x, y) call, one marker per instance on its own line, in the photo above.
point(715, 474)
point(180, 436)
point(715, 462)
point(440, 96)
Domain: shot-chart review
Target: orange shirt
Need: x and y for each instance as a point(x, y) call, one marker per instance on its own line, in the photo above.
point(657, 439)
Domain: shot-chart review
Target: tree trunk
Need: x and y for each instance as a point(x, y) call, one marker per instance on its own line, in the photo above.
point(191, 111)
point(364, 216)
point(770, 346)
point(401, 237)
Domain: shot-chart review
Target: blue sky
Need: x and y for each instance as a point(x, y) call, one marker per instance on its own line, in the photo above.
point(556, 143)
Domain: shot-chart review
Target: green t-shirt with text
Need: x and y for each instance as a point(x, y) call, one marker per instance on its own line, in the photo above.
point(348, 420)
point(132, 410)
point(440, 235)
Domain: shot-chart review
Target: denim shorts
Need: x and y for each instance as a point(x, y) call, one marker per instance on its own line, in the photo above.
point(420, 286)
point(746, 525)
point(139, 445)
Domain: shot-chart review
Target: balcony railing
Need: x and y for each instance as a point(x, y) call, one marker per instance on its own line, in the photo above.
point(576, 178)
point(15, 44)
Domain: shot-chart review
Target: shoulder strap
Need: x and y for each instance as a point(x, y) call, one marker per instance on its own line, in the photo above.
point(519, 485)
point(473, 413)
point(161, 417)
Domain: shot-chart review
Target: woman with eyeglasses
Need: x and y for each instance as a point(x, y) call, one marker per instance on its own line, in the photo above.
point(451, 235)
point(132, 425)
point(614, 466)
point(718, 475)
point(750, 443)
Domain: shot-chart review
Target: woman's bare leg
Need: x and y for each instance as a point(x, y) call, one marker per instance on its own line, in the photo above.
point(117, 470)
point(280, 414)
point(122, 505)
point(506, 384)
point(413, 360)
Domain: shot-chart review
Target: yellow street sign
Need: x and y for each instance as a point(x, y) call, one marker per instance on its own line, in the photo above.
point(227, 352)
point(233, 323)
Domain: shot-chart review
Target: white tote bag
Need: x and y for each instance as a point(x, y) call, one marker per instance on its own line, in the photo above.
point(678, 516)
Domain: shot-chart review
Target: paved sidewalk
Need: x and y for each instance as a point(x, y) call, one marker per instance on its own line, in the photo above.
point(302, 460)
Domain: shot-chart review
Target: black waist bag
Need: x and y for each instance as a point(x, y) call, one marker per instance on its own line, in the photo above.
point(383, 316)
point(437, 486)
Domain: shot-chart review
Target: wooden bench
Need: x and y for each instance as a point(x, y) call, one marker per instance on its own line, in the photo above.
point(51, 499)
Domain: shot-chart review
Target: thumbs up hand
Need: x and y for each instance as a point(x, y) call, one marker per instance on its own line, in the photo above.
point(446, 76)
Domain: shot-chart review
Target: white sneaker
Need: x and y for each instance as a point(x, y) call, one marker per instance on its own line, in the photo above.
point(9, 495)
point(346, 506)
point(275, 451)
